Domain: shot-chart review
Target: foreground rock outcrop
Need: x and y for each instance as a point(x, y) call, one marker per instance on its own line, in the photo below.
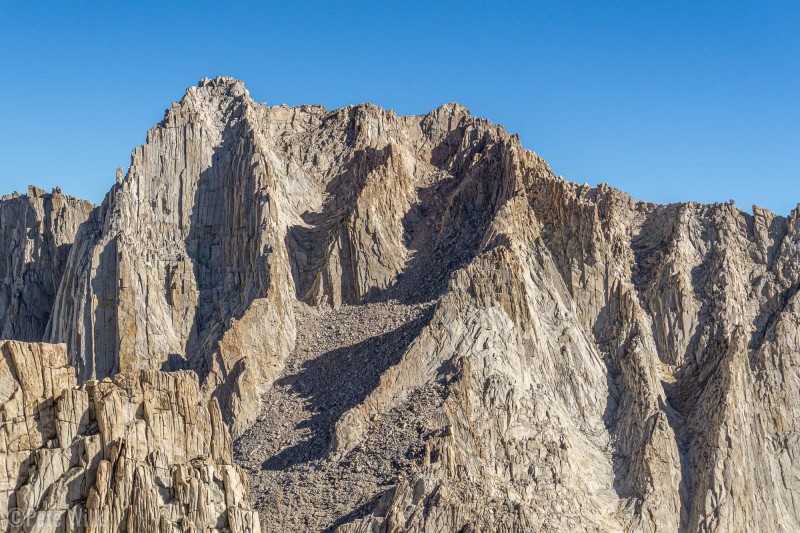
point(443, 336)
point(136, 453)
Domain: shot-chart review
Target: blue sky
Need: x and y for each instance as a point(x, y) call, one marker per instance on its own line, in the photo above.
point(669, 101)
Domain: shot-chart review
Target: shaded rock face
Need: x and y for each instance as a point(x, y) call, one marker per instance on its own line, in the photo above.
point(36, 233)
point(564, 358)
point(136, 453)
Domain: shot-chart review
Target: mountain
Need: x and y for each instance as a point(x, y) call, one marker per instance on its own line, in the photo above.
point(409, 324)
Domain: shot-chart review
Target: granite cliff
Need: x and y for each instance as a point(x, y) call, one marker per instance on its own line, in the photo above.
point(406, 324)
point(38, 230)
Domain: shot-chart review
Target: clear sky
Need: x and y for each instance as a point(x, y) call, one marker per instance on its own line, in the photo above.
point(669, 101)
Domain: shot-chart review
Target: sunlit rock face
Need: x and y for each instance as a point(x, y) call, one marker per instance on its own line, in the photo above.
point(412, 324)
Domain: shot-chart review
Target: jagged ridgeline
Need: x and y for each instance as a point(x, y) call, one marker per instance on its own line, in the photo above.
point(390, 323)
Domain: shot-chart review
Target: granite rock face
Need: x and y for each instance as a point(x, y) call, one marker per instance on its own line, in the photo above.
point(169, 268)
point(559, 358)
point(610, 366)
point(136, 453)
point(36, 233)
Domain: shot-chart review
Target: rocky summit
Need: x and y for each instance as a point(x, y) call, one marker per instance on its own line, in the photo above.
point(296, 319)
